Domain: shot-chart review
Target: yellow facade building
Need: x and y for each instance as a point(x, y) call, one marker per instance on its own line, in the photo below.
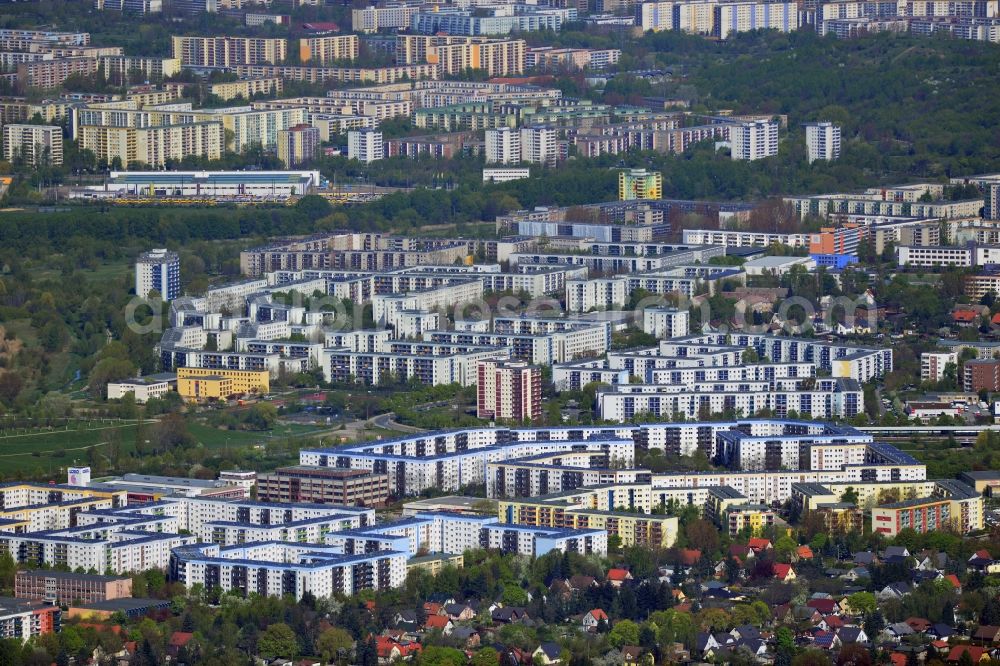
point(457, 53)
point(247, 88)
point(204, 383)
point(643, 529)
point(435, 563)
point(209, 387)
point(756, 518)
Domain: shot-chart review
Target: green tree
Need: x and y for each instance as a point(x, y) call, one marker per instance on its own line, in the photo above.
point(278, 640)
point(8, 569)
point(485, 657)
point(313, 207)
point(784, 547)
point(514, 595)
point(261, 416)
point(624, 632)
point(862, 603)
point(849, 495)
point(334, 642)
point(436, 655)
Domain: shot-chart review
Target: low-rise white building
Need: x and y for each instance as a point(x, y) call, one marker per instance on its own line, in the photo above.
point(777, 265)
point(497, 175)
point(142, 388)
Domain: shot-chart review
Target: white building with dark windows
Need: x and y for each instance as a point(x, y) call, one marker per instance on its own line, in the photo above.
point(539, 145)
point(503, 146)
point(754, 140)
point(822, 141)
point(365, 145)
point(160, 271)
point(36, 145)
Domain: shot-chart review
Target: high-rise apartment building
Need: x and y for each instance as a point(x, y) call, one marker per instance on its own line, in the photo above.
point(130, 6)
point(152, 146)
point(503, 146)
point(329, 49)
point(52, 73)
point(36, 145)
point(981, 375)
point(365, 145)
point(730, 18)
point(639, 184)
point(933, 364)
point(458, 53)
point(822, 141)
point(509, 391)
point(225, 51)
point(158, 270)
point(754, 140)
point(656, 16)
point(118, 68)
point(392, 16)
point(539, 145)
point(297, 145)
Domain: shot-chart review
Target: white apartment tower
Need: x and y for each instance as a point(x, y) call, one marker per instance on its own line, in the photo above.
point(365, 145)
point(37, 145)
point(822, 141)
point(754, 140)
point(158, 270)
point(665, 322)
point(539, 145)
point(503, 146)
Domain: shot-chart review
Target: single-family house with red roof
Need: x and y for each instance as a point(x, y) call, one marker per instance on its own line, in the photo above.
point(389, 650)
point(977, 653)
point(823, 605)
point(784, 572)
point(177, 640)
point(689, 556)
point(618, 576)
point(593, 618)
point(440, 622)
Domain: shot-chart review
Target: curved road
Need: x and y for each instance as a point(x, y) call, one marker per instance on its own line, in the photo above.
point(386, 422)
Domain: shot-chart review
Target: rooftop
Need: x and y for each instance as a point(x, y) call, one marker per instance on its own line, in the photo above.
point(916, 501)
point(453, 502)
point(68, 575)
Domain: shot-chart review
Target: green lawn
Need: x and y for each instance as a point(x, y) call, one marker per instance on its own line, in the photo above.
point(49, 449)
point(107, 270)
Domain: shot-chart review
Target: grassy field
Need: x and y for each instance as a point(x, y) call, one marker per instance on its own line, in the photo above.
point(50, 449)
point(214, 438)
point(43, 453)
point(106, 270)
